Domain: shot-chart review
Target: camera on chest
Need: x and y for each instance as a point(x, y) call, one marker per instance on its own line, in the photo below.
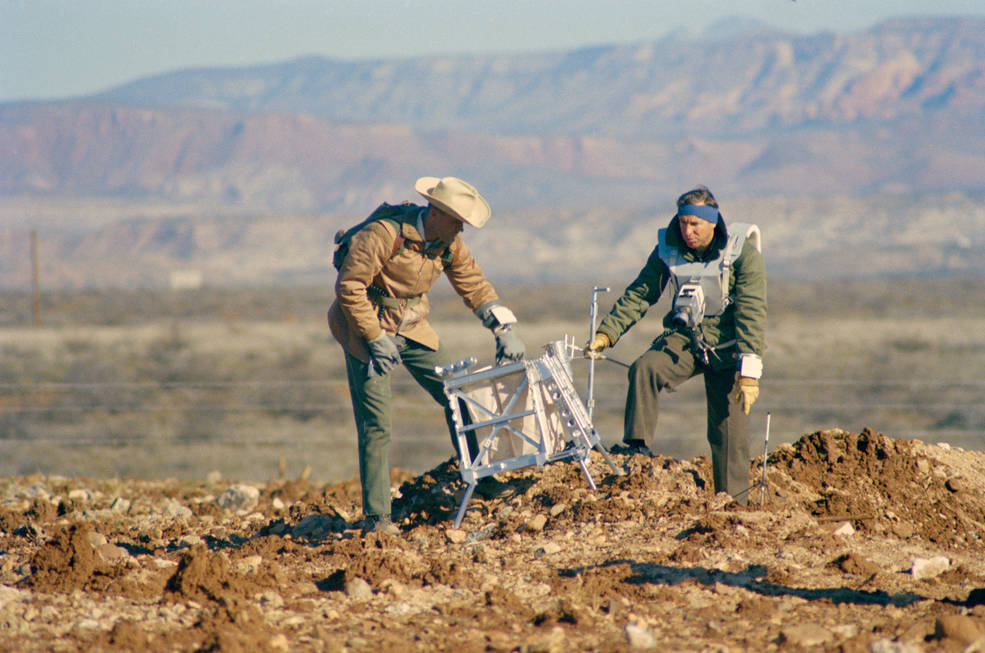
point(689, 305)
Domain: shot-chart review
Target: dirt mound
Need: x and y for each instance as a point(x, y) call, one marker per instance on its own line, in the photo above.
point(863, 542)
point(67, 562)
point(205, 575)
point(881, 484)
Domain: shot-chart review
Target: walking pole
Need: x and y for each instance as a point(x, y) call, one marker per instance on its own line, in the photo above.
point(591, 359)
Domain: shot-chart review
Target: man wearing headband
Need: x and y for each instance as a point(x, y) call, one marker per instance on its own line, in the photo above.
point(716, 328)
point(380, 316)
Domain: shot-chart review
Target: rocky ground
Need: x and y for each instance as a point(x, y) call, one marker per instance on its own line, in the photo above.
point(862, 542)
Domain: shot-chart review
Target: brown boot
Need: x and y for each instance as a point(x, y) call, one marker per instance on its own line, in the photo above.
point(380, 524)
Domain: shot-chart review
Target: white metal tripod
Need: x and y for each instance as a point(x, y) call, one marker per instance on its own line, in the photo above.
point(524, 413)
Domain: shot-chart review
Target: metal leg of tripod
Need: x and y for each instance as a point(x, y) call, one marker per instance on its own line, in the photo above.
point(465, 502)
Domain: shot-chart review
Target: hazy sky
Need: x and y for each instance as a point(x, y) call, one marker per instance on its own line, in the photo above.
point(59, 48)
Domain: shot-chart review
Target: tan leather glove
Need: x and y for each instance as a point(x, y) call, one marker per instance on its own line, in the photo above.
point(747, 391)
point(598, 343)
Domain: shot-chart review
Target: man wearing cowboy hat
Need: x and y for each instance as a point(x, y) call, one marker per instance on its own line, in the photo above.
point(380, 315)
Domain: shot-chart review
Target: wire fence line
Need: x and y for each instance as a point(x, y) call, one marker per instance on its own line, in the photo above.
point(15, 397)
point(54, 385)
point(167, 408)
point(57, 385)
point(772, 406)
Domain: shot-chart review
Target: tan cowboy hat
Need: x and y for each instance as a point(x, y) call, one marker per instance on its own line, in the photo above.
point(455, 197)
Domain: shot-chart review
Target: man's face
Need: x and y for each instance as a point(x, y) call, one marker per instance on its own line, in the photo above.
point(442, 225)
point(697, 233)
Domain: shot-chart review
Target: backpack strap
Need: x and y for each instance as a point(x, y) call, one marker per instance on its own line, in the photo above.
point(737, 236)
point(399, 244)
point(448, 257)
point(395, 215)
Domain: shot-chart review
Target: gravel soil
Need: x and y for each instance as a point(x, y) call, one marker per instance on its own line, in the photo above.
point(857, 542)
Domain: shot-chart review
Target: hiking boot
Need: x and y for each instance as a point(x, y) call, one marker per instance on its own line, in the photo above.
point(489, 487)
point(380, 524)
point(632, 447)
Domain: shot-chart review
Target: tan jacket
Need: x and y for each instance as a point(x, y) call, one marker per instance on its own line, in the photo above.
point(354, 318)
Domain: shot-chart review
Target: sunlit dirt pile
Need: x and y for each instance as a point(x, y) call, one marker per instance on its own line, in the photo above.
point(857, 542)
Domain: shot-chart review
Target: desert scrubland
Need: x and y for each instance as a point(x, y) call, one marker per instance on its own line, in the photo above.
point(177, 384)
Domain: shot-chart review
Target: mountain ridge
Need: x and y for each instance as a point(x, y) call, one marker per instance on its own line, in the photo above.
point(895, 108)
point(892, 114)
point(760, 79)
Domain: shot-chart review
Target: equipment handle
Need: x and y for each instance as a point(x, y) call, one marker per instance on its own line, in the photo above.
point(593, 313)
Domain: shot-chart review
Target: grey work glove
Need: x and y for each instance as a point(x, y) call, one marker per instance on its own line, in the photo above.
point(498, 318)
point(383, 355)
point(509, 347)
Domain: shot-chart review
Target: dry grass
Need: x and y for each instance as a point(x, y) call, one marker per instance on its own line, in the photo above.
point(235, 380)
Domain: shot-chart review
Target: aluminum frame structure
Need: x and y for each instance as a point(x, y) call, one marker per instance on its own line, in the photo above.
point(522, 414)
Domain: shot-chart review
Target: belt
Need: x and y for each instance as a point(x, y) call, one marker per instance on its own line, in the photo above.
point(395, 302)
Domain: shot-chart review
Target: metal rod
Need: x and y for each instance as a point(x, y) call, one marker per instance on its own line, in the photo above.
point(766, 443)
point(588, 474)
point(590, 404)
point(498, 420)
point(603, 357)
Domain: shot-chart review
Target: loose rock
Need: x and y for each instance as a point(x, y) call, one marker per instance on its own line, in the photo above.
point(961, 628)
point(455, 535)
point(640, 637)
point(924, 568)
point(357, 588)
point(239, 497)
point(806, 635)
point(537, 523)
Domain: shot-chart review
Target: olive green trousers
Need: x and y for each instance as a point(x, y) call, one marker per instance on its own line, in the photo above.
point(668, 363)
point(371, 399)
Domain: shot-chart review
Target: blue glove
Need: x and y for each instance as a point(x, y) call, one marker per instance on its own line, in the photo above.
point(383, 355)
point(509, 347)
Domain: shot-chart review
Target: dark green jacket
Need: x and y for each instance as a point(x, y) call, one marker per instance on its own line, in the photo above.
point(743, 321)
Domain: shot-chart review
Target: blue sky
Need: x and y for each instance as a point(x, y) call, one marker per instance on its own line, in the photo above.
point(60, 48)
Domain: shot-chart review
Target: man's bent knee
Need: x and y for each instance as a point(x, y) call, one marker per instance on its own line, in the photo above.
point(650, 371)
